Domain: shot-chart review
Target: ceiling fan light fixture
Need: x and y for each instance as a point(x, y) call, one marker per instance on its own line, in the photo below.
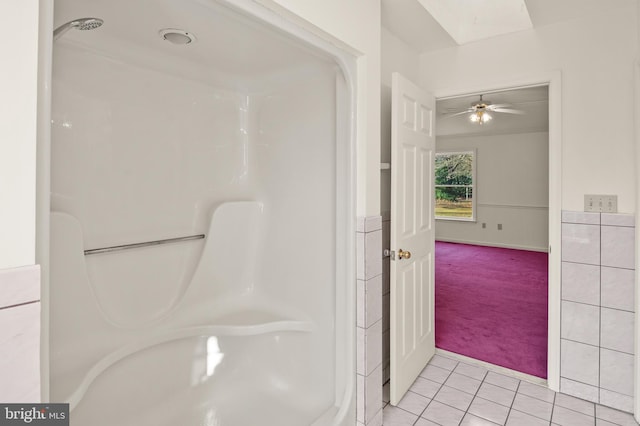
point(481, 117)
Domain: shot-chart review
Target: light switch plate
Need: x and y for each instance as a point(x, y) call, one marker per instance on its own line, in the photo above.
point(601, 203)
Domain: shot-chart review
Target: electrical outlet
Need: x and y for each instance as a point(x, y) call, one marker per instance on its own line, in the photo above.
point(499, 227)
point(601, 203)
point(484, 225)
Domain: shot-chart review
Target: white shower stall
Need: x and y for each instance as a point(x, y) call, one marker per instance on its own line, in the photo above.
point(201, 258)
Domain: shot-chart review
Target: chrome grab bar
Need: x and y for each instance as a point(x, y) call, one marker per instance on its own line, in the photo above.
point(145, 244)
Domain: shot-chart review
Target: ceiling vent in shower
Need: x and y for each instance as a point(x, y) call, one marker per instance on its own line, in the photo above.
point(177, 36)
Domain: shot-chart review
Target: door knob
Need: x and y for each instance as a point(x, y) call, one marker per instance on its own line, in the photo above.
point(404, 254)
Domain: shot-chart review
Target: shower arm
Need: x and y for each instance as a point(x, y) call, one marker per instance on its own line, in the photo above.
point(62, 29)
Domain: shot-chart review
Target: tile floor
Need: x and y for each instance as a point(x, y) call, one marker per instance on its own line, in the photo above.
point(452, 393)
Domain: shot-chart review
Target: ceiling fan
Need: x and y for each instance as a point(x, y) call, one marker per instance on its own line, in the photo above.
point(480, 112)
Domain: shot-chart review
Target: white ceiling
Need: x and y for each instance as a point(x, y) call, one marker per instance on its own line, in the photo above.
point(231, 48)
point(467, 21)
point(411, 22)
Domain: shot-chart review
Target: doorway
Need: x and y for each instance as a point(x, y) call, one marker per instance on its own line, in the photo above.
point(492, 214)
point(553, 82)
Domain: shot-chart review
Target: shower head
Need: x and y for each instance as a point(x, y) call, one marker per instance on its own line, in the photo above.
point(83, 24)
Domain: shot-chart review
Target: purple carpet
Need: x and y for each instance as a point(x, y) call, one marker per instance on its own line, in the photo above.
point(491, 305)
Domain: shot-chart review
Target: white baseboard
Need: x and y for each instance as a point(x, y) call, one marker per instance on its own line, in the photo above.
point(492, 367)
point(499, 245)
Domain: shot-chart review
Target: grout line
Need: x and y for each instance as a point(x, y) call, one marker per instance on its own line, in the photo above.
point(434, 395)
point(581, 303)
point(513, 401)
point(19, 304)
point(593, 346)
point(560, 313)
point(576, 411)
point(600, 317)
point(475, 395)
point(541, 400)
point(582, 383)
point(618, 226)
point(553, 407)
point(598, 306)
point(588, 264)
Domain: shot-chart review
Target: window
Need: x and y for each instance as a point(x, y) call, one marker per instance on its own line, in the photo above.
point(455, 185)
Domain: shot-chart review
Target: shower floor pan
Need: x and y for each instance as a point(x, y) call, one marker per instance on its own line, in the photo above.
point(209, 376)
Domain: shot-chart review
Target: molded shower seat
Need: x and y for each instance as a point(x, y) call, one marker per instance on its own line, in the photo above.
point(221, 302)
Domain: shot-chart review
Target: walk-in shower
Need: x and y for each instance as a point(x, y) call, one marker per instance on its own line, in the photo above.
point(201, 255)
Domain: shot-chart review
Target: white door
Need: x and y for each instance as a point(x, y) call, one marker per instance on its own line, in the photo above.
point(412, 234)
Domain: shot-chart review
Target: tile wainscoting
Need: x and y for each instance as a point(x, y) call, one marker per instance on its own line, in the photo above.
point(369, 321)
point(20, 334)
point(597, 313)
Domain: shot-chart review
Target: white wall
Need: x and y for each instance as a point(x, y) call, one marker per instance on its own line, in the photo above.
point(396, 57)
point(18, 86)
point(512, 181)
point(356, 23)
point(596, 57)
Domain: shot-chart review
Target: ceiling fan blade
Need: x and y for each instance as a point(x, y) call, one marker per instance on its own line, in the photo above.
point(457, 113)
point(508, 111)
point(493, 106)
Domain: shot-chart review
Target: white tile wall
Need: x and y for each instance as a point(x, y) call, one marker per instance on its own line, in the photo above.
point(581, 283)
point(20, 334)
point(373, 250)
point(618, 289)
point(373, 396)
point(20, 353)
point(19, 285)
point(618, 219)
point(580, 390)
point(369, 328)
point(360, 253)
point(597, 317)
point(618, 245)
point(579, 362)
point(616, 400)
point(361, 308)
point(361, 346)
point(616, 328)
point(370, 311)
point(373, 348)
point(587, 218)
point(581, 243)
point(360, 391)
point(580, 322)
point(386, 282)
point(575, 404)
point(616, 371)
point(373, 223)
point(613, 416)
point(374, 301)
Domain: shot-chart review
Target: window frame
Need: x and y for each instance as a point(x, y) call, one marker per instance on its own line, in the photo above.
point(474, 184)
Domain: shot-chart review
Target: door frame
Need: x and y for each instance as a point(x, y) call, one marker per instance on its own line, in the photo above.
point(636, 331)
point(553, 80)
